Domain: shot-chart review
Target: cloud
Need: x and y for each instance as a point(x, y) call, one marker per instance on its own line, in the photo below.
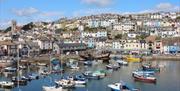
point(33, 14)
point(166, 7)
point(25, 11)
point(4, 24)
point(92, 11)
point(100, 3)
point(52, 13)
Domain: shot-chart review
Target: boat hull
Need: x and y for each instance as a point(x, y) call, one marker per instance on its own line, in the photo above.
point(142, 79)
point(133, 59)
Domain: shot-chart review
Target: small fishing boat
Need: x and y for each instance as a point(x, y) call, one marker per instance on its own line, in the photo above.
point(139, 71)
point(99, 73)
point(130, 58)
point(112, 66)
point(73, 64)
point(41, 64)
point(121, 86)
point(88, 63)
point(10, 69)
point(149, 67)
point(78, 79)
point(26, 78)
point(65, 83)
point(52, 88)
point(22, 67)
point(144, 77)
point(74, 67)
point(6, 84)
point(33, 76)
point(19, 81)
point(45, 73)
point(122, 62)
point(89, 75)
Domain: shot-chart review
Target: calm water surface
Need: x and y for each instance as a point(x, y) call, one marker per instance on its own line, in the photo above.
point(167, 80)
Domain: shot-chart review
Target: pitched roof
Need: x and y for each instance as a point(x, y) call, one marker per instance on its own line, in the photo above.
point(61, 45)
point(151, 38)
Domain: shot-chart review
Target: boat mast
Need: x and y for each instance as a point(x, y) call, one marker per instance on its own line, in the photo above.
point(61, 51)
point(50, 68)
point(18, 58)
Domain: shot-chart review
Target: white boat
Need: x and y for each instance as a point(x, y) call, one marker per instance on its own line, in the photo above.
point(6, 84)
point(65, 83)
point(143, 72)
point(121, 86)
point(45, 73)
point(122, 62)
point(10, 69)
point(112, 66)
point(74, 67)
point(41, 64)
point(79, 82)
point(52, 88)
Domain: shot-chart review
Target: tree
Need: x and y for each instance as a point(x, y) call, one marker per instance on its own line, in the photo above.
point(118, 36)
point(141, 37)
point(7, 29)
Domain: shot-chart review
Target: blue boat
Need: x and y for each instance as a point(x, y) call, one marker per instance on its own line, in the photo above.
point(33, 76)
point(150, 68)
point(88, 63)
point(140, 71)
point(78, 79)
point(121, 86)
point(89, 75)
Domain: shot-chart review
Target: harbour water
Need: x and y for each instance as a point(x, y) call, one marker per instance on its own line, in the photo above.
point(167, 80)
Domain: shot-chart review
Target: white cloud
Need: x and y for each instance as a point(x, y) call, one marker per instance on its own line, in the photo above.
point(166, 7)
point(93, 11)
point(100, 3)
point(52, 13)
point(4, 24)
point(25, 11)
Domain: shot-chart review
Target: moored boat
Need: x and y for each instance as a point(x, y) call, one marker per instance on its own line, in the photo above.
point(65, 83)
point(122, 62)
point(151, 68)
point(130, 58)
point(6, 84)
point(89, 75)
point(99, 73)
point(78, 79)
point(112, 66)
point(19, 81)
point(144, 77)
point(88, 63)
point(121, 86)
point(143, 72)
point(10, 69)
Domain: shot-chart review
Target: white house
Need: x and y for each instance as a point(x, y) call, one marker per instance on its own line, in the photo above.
point(167, 33)
point(100, 44)
point(44, 43)
point(101, 34)
point(116, 44)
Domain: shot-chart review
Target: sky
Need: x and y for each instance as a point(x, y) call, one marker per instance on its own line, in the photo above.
point(24, 11)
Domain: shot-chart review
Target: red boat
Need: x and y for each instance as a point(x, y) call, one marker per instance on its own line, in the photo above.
point(144, 78)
